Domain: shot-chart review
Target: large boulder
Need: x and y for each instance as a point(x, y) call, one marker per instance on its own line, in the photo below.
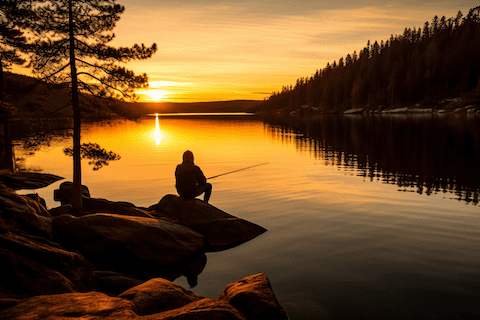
point(24, 213)
point(64, 193)
point(158, 295)
point(220, 229)
point(27, 180)
point(26, 252)
point(205, 309)
point(254, 298)
point(127, 244)
point(91, 305)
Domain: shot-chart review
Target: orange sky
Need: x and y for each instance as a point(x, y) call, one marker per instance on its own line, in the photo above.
point(225, 50)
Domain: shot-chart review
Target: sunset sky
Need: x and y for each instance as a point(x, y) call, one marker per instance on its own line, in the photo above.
point(215, 50)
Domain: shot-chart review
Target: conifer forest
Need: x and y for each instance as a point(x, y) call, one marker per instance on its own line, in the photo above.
point(420, 66)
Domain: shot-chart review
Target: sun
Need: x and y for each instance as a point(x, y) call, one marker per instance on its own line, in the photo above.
point(156, 94)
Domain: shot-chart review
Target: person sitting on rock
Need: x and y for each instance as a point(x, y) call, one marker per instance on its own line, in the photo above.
point(190, 181)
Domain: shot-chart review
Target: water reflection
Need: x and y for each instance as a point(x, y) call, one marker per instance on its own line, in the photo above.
point(423, 154)
point(157, 133)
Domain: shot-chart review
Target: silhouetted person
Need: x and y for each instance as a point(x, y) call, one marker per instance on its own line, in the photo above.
point(190, 181)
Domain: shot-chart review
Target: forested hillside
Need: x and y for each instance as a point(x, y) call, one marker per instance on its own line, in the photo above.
point(424, 65)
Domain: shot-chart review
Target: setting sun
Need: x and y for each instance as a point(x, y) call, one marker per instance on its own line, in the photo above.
point(156, 94)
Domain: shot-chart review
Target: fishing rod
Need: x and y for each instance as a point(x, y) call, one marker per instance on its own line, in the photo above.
point(222, 174)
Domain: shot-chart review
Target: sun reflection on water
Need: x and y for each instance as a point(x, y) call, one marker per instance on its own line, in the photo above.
point(157, 133)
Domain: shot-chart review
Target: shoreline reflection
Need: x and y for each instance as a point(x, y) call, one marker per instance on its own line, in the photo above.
point(423, 154)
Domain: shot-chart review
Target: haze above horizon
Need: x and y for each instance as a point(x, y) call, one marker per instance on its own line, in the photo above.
point(235, 50)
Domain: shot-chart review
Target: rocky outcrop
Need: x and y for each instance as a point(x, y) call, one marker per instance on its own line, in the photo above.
point(158, 299)
point(127, 244)
point(56, 265)
point(34, 265)
point(254, 298)
point(159, 295)
point(220, 229)
point(205, 309)
point(23, 277)
point(24, 213)
point(90, 305)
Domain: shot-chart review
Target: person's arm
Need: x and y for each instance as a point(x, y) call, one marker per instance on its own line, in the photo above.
point(201, 180)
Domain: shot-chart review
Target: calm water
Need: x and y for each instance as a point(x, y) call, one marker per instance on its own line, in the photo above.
point(367, 217)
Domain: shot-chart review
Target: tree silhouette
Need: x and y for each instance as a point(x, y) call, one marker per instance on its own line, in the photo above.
point(12, 44)
point(425, 65)
point(73, 51)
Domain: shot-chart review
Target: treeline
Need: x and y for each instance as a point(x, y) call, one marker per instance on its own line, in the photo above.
point(438, 61)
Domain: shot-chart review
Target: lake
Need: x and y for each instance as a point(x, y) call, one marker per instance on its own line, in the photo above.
point(368, 217)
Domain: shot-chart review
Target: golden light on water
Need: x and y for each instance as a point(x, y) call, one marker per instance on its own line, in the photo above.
point(157, 133)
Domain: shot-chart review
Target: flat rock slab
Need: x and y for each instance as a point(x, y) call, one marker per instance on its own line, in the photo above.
point(220, 229)
point(28, 180)
point(90, 305)
point(254, 298)
point(127, 244)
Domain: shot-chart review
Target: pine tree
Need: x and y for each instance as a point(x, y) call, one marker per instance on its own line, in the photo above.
point(74, 51)
point(12, 44)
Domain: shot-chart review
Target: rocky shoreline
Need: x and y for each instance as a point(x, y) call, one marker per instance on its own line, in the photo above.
point(118, 261)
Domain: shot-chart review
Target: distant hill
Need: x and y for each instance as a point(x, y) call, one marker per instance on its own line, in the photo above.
point(32, 98)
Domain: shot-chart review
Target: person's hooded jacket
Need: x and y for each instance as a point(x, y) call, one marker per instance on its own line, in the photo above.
point(189, 177)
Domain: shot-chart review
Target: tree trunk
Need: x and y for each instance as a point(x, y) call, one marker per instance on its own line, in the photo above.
point(77, 165)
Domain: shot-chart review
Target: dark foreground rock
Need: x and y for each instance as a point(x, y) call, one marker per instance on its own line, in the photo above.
point(33, 266)
point(127, 244)
point(157, 299)
point(220, 229)
point(90, 305)
point(24, 213)
point(159, 295)
point(254, 298)
point(205, 309)
point(58, 266)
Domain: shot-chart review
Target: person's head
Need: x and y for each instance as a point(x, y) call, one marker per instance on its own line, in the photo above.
point(188, 156)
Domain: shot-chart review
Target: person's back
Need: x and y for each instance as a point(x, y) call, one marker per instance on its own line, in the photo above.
point(190, 180)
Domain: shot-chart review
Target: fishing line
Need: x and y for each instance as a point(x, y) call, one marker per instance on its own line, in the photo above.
point(222, 174)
